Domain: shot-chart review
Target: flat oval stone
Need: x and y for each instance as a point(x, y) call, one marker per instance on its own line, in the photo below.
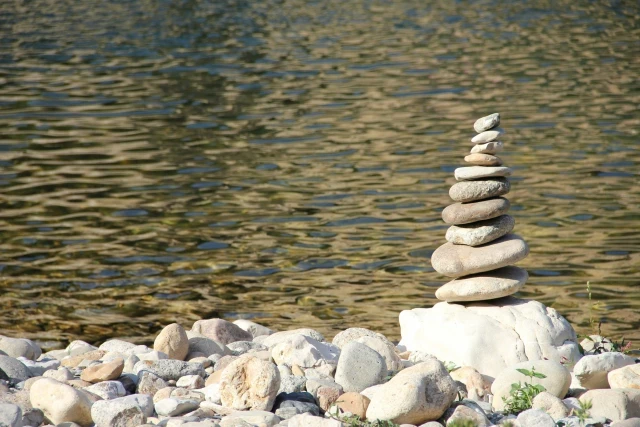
point(492, 147)
point(487, 122)
point(469, 191)
point(476, 172)
point(486, 136)
point(479, 233)
point(464, 213)
point(460, 260)
point(479, 159)
point(483, 286)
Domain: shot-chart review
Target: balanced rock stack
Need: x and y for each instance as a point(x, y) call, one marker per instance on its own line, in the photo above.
point(480, 248)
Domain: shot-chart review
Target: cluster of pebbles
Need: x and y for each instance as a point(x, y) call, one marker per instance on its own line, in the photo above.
point(481, 248)
point(242, 374)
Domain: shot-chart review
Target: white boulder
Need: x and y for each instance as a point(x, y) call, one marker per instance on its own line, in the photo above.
point(489, 335)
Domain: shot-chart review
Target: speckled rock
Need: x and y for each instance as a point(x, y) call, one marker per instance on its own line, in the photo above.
point(484, 286)
point(359, 367)
point(119, 412)
point(479, 233)
point(170, 369)
point(460, 260)
point(471, 191)
point(173, 341)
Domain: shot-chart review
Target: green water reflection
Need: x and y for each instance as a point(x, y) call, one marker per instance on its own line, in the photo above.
point(288, 161)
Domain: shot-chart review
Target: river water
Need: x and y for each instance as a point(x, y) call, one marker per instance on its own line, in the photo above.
point(287, 161)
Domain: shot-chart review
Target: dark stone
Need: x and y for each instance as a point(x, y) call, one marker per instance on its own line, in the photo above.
point(303, 402)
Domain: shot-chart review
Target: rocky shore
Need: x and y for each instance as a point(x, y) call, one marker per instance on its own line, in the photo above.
point(243, 374)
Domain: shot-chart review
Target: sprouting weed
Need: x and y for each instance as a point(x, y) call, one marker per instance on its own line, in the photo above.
point(521, 396)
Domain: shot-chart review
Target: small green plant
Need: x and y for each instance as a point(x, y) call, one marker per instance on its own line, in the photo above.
point(462, 423)
point(521, 396)
point(355, 421)
point(603, 345)
point(583, 411)
point(451, 366)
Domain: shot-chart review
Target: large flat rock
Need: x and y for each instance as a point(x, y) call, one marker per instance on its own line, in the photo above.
point(477, 172)
point(491, 335)
point(470, 191)
point(460, 260)
point(484, 286)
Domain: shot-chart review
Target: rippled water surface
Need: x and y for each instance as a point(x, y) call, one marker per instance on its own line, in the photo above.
point(287, 161)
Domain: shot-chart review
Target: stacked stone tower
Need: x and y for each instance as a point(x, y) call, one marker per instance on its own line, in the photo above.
point(480, 248)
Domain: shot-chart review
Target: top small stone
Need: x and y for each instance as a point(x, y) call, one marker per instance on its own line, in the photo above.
point(487, 122)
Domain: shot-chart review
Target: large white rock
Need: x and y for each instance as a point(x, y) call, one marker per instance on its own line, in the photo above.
point(617, 404)
point(60, 402)
point(305, 352)
point(415, 395)
point(592, 370)
point(489, 336)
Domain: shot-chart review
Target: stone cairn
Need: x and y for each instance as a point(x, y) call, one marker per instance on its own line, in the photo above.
point(480, 248)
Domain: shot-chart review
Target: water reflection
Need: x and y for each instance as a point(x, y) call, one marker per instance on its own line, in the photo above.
point(288, 161)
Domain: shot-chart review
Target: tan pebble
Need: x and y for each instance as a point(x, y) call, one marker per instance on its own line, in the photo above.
point(103, 372)
point(73, 361)
point(479, 159)
point(297, 371)
point(213, 378)
point(355, 403)
point(163, 393)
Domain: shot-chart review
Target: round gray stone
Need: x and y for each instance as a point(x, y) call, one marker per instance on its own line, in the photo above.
point(459, 260)
point(359, 367)
point(14, 369)
point(470, 191)
point(492, 147)
point(487, 122)
point(476, 172)
point(481, 232)
point(465, 213)
point(484, 286)
point(479, 159)
point(486, 136)
point(10, 415)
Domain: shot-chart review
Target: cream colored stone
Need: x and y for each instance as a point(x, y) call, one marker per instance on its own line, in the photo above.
point(60, 402)
point(172, 341)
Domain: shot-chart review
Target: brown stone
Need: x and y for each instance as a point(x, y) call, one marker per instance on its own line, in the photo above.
point(355, 403)
point(173, 341)
point(460, 260)
point(479, 159)
point(465, 213)
point(163, 393)
point(213, 378)
point(103, 372)
point(74, 361)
